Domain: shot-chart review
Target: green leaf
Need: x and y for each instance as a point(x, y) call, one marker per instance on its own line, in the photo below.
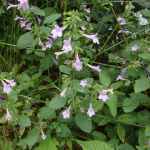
point(22, 142)
point(18, 104)
point(145, 55)
point(41, 54)
point(7, 146)
point(25, 40)
point(83, 122)
point(142, 98)
point(98, 105)
point(65, 131)
point(15, 69)
point(125, 147)
point(64, 69)
point(145, 13)
point(46, 63)
point(112, 103)
point(36, 76)
point(47, 144)
point(99, 136)
point(3, 119)
point(121, 132)
point(147, 130)
point(104, 122)
point(116, 85)
point(130, 104)
point(127, 118)
point(24, 120)
point(22, 131)
point(46, 113)
point(57, 102)
point(141, 84)
point(51, 18)
point(94, 145)
point(114, 142)
point(49, 10)
point(69, 144)
point(104, 78)
point(26, 77)
point(38, 12)
point(12, 96)
point(32, 136)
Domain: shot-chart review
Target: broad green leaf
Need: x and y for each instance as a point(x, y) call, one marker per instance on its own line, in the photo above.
point(69, 144)
point(112, 103)
point(104, 122)
point(18, 104)
point(83, 122)
point(46, 113)
point(104, 78)
point(125, 147)
point(41, 54)
point(47, 29)
point(141, 84)
point(49, 10)
point(116, 85)
point(32, 136)
point(99, 136)
point(114, 142)
point(111, 131)
point(51, 18)
point(8, 146)
point(94, 145)
point(47, 144)
point(22, 142)
point(3, 119)
point(145, 13)
point(130, 104)
point(46, 63)
point(145, 55)
point(127, 118)
point(121, 132)
point(15, 69)
point(22, 131)
point(64, 69)
point(142, 98)
point(144, 3)
point(12, 96)
point(25, 40)
point(147, 130)
point(38, 12)
point(24, 120)
point(98, 105)
point(26, 77)
point(57, 102)
point(65, 131)
point(36, 76)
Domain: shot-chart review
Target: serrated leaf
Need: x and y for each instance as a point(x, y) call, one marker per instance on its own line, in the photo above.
point(3, 119)
point(125, 147)
point(38, 12)
point(36, 76)
point(7, 146)
point(104, 78)
point(12, 96)
point(113, 143)
point(116, 85)
point(127, 118)
point(141, 84)
point(51, 18)
point(24, 120)
point(94, 145)
point(65, 131)
point(26, 77)
point(57, 102)
point(130, 104)
point(145, 55)
point(22, 142)
point(25, 40)
point(104, 122)
point(99, 136)
point(112, 103)
point(46, 113)
point(83, 122)
point(121, 132)
point(41, 54)
point(32, 136)
point(98, 105)
point(47, 144)
point(145, 13)
point(142, 98)
point(147, 130)
point(64, 69)
point(49, 10)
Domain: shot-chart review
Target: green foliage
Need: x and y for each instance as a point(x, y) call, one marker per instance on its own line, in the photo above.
point(147, 130)
point(24, 120)
point(104, 78)
point(38, 12)
point(125, 147)
point(127, 118)
point(99, 136)
point(25, 40)
point(64, 69)
point(83, 122)
point(26, 77)
point(116, 85)
point(51, 18)
point(121, 132)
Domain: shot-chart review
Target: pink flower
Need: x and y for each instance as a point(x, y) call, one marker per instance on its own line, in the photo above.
point(67, 46)
point(11, 82)
point(28, 26)
point(32, 101)
point(109, 90)
point(135, 47)
point(83, 83)
point(29, 110)
point(90, 25)
point(82, 109)
point(148, 77)
point(83, 4)
point(124, 61)
point(149, 143)
point(103, 96)
point(124, 70)
point(23, 4)
point(22, 23)
point(88, 10)
point(93, 37)
point(90, 111)
point(11, 5)
point(120, 31)
point(6, 88)
point(50, 39)
point(117, 57)
point(120, 18)
point(20, 128)
point(57, 32)
point(56, 63)
point(43, 135)
point(48, 44)
point(58, 53)
point(83, 27)
point(62, 94)
point(8, 116)
point(95, 67)
point(40, 43)
point(44, 48)
point(149, 49)
point(123, 22)
point(78, 64)
point(17, 18)
point(1, 99)
point(88, 18)
point(39, 20)
point(120, 78)
point(66, 113)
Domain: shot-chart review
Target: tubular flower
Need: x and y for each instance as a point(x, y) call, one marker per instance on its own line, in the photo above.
point(66, 113)
point(78, 64)
point(83, 83)
point(120, 78)
point(135, 47)
point(109, 90)
point(93, 37)
point(90, 111)
point(56, 63)
point(6, 88)
point(58, 53)
point(103, 96)
point(43, 135)
point(95, 67)
point(88, 18)
point(83, 27)
point(11, 5)
point(62, 94)
point(57, 31)
point(67, 46)
point(8, 116)
point(11, 82)
point(88, 10)
point(124, 70)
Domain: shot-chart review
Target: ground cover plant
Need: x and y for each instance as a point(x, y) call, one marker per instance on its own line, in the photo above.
point(75, 75)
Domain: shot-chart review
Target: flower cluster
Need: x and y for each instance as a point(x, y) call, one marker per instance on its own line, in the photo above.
point(123, 22)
